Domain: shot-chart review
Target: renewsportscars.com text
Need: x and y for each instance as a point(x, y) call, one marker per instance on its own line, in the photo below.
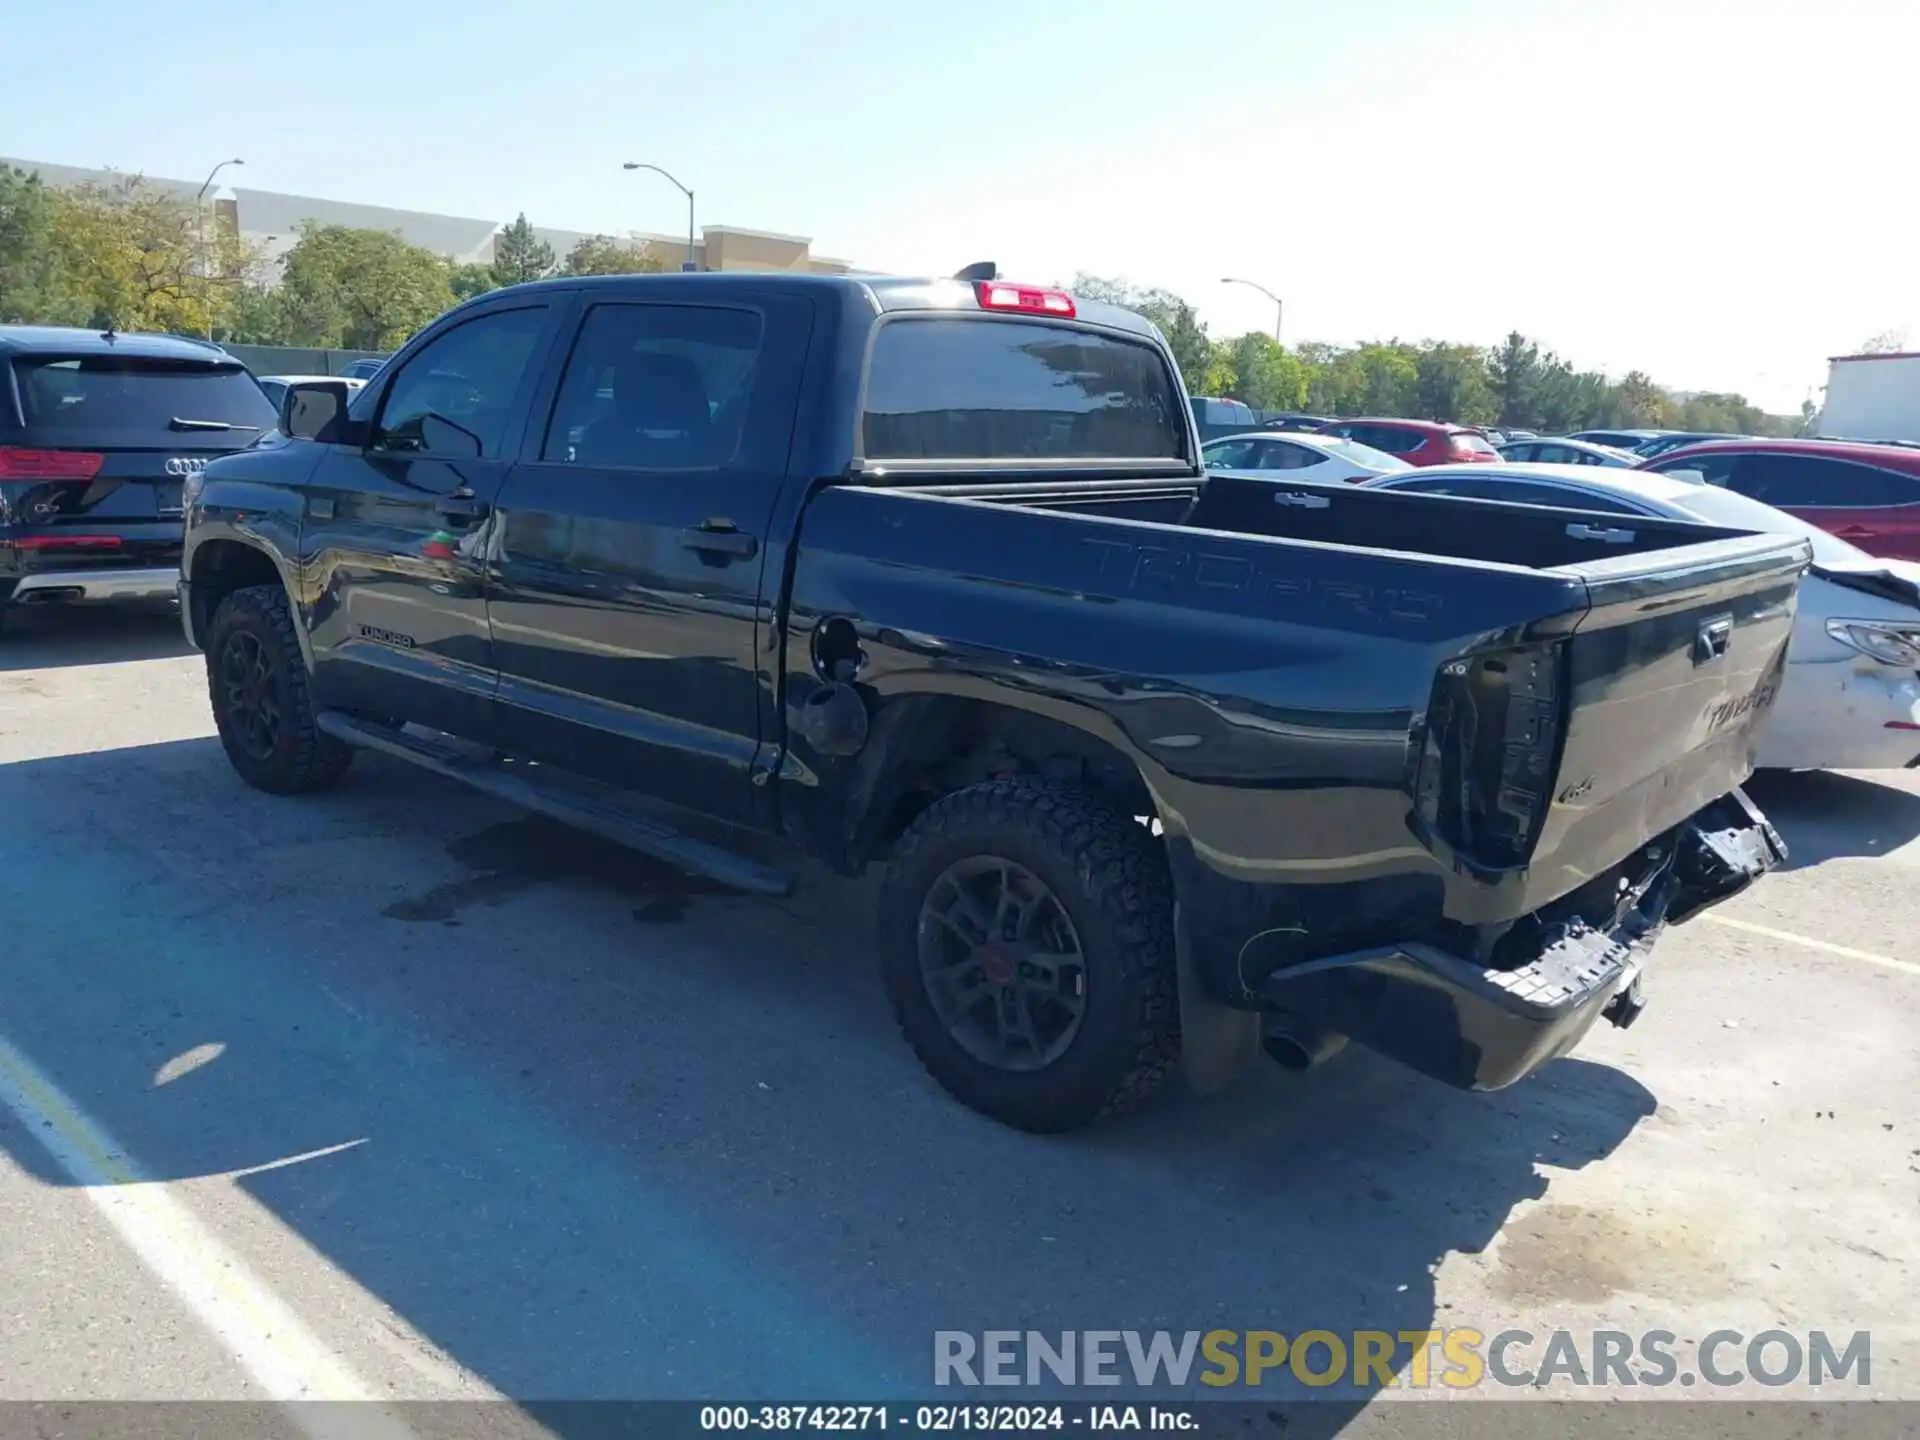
point(1459, 1358)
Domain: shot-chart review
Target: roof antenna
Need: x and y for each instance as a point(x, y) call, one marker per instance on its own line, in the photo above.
point(983, 270)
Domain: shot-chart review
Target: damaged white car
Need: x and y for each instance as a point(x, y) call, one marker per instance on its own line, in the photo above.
point(1851, 697)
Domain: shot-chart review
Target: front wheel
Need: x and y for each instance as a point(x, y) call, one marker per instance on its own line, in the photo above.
point(262, 700)
point(1027, 947)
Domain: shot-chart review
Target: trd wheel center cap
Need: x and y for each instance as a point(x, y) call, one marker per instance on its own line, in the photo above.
point(997, 964)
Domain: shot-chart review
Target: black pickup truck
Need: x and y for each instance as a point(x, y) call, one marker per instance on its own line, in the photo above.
point(927, 572)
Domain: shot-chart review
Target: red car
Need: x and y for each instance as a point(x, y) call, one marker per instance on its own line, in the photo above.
point(1866, 494)
point(1418, 442)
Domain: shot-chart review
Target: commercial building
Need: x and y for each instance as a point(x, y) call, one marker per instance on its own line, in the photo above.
point(270, 221)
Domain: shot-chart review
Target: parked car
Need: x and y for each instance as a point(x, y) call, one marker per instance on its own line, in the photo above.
point(362, 370)
point(1850, 698)
point(276, 385)
point(1863, 493)
point(1297, 456)
point(1661, 444)
point(1513, 434)
point(1418, 442)
point(861, 563)
point(98, 432)
point(1567, 452)
point(1617, 439)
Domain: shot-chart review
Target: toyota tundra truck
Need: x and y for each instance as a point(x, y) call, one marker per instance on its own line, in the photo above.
point(928, 574)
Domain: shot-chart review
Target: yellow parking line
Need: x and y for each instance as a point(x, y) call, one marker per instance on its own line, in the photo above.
point(1825, 946)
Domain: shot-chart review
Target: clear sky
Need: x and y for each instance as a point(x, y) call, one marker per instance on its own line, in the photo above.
point(1720, 192)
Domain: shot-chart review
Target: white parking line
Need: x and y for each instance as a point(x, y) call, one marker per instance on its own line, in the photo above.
point(267, 1339)
point(1825, 946)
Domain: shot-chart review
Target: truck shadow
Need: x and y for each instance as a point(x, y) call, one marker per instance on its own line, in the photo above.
point(51, 637)
point(1824, 815)
point(609, 1138)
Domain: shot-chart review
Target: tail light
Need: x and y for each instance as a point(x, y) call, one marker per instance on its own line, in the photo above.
point(1490, 751)
point(1027, 299)
point(20, 464)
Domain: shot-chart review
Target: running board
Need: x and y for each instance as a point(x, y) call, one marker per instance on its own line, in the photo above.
point(566, 804)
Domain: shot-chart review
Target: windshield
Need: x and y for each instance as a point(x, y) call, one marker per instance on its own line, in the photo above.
point(1727, 507)
point(133, 402)
point(1363, 454)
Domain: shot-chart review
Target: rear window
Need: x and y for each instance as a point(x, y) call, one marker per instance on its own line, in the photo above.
point(1468, 440)
point(961, 388)
point(115, 401)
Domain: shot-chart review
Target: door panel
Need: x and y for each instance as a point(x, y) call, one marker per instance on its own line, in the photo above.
point(626, 598)
point(393, 543)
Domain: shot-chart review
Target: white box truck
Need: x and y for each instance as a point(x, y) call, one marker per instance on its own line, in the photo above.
point(1872, 397)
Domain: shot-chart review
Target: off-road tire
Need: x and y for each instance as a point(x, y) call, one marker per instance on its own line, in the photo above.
point(303, 758)
point(1112, 879)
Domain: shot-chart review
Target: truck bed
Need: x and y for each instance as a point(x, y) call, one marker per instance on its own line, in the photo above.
point(1405, 705)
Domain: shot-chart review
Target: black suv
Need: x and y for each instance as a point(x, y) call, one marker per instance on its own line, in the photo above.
point(99, 433)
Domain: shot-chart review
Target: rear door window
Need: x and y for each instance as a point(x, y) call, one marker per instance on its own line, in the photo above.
point(126, 402)
point(977, 388)
point(1812, 482)
point(1279, 455)
point(1390, 438)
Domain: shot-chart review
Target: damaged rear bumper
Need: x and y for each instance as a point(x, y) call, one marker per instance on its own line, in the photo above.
point(1481, 1027)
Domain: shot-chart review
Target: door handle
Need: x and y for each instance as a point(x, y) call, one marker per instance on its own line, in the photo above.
point(453, 507)
point(719, 538)
point(1711, 641)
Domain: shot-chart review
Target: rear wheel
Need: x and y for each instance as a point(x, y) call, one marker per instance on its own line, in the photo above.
point(262, 699)
point(1027, 948)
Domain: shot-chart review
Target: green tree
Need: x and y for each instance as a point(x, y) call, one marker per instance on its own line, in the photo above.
point(32, 280)
point(1514, 375)
point(1640, 402)
point(520, 255)
point(467, 281)
point(604, 255)
point(1178, 322)
point(1452, 384)
point(137, 257)
point(1391, 380)
point(1265, 376)
point(352, 289)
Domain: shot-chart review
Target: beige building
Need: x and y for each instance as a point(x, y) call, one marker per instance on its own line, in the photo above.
point(270, 221)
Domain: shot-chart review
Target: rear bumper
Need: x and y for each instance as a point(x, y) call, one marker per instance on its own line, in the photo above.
point(48, 587)
point(1483, 1028)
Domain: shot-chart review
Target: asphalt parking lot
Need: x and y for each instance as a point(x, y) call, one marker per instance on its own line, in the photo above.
point(453, 1103)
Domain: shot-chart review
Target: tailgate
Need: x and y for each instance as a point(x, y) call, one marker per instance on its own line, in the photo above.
point(1669, 677)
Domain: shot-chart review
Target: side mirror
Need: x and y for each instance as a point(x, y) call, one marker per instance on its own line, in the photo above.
point(315, 410)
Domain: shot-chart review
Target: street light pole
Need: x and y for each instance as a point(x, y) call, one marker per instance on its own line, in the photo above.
point(1277, 307)
point(200, 219)
point(641, 165)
